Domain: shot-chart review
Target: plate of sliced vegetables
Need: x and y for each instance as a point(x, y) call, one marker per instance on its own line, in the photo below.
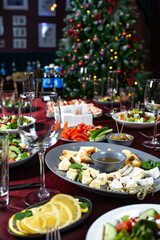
point(84, 133)
point(140, 220)
point(10, 123)
point(135, 119)
point(63, 210)
point(19, 152)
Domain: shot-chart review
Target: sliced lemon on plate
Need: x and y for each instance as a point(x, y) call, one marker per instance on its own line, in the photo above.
point(48, 216)
point(65, 214)
point(13, 227)
point(71, 202)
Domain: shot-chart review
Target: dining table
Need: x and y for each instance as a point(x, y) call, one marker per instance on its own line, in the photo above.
point(29, 173)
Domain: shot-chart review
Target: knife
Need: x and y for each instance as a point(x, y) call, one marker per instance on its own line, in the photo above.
point(23, 185)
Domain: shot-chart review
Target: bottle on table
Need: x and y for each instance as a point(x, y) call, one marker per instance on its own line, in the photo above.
point(3, 71)
point(47, 80)
point(58, 81)
point(29, 67)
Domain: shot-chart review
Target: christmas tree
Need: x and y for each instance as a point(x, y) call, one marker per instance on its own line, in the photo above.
point(100, 36)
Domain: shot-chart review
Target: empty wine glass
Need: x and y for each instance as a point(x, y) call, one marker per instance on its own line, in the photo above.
point(28, 82)
point(112, 86)
point(39, 129)
point(84, 79)
point(152, 103)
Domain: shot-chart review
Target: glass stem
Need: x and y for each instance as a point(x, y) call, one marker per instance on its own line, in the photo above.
point(42, 168)
point(155, 127)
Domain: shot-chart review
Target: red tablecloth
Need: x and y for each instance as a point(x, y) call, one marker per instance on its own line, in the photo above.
point(29, 172)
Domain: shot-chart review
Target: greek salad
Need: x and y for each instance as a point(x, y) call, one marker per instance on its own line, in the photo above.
point(10, 122)
point(142, 227)
point(17, 149)
point(136, 116)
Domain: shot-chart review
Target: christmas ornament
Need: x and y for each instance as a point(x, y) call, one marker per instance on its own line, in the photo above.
point(63, 59)
point(71, 20)
point(73, 58)
point(102, 52)
point(80, 63)
point(87, 56)
point(86, 5)
point(127, 26)
point(123, 33)
point(95, 38)
point(69, 55)
point(119, 71)
point(100, 21)
point(72, 68)
point(79, 25)
point(128, 46)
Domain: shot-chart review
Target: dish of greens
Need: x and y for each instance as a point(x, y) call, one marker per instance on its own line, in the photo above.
point(138, 221)
point(9, 123)
point(135, 119)
point(18, 152)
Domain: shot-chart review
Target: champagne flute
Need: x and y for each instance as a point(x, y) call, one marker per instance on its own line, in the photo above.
point(41, 131)
point(112, 86)
point(152, 103)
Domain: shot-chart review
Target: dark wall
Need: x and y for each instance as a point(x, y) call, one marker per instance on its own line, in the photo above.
point(32, 53)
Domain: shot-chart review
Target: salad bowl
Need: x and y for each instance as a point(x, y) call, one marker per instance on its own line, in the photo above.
point(140, 124)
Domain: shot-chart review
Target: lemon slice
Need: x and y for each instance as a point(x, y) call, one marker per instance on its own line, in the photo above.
point(71, 202)
point(13, 227)
point(84, 210)
point(48, 216)
point(65, 214)
point(20, 228)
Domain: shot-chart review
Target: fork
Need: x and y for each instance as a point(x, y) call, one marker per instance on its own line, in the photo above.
point(147, 136)
point(49, 234)
point(57, 235)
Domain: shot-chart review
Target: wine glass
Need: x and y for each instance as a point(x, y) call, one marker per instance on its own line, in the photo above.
point(40, 131)
point(112, 87)
point(84, 78)
point(29, 85)
point(152, 103)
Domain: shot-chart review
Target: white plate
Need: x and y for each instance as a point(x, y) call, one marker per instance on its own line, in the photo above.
point(96, 229)
point(134, 124)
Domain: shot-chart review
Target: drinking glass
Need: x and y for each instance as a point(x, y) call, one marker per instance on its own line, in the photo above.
point(4, 170)
point(42, 131)
point(84, 78)
point(28, 82)
point(127, 98)
point(112, 86)
point(7, 103)
point(152, 104)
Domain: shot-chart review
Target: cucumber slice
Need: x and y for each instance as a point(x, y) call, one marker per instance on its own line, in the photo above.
point(105, 132)
point(110, 232)
point(14, 149)
point(100, 137)
point(148, 213)
point(12, 154)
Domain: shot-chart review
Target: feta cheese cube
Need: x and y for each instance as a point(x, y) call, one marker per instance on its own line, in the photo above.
point(95, 184)
point(155, 173)
point(72, 174)
point(145, 181)
point(64, 164)
point(116, 184)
